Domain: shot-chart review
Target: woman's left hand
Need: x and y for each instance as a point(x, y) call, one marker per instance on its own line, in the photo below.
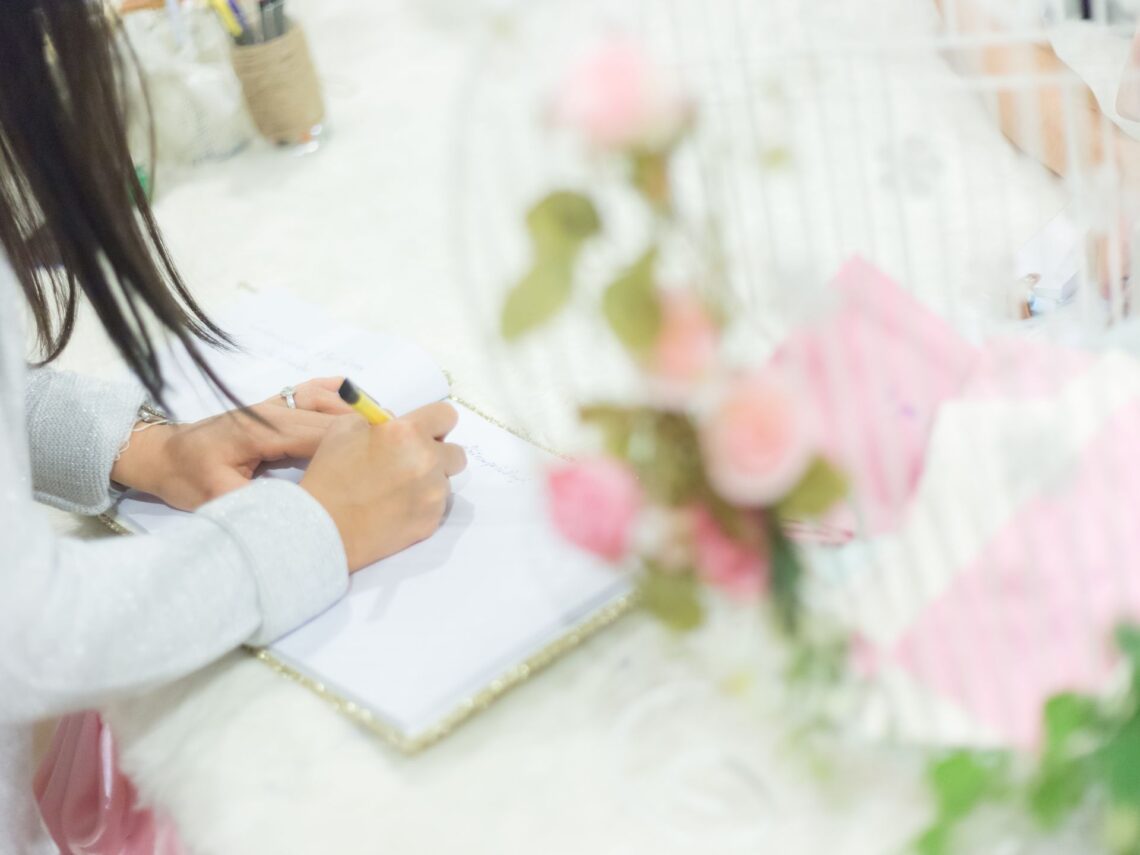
point(187, 465)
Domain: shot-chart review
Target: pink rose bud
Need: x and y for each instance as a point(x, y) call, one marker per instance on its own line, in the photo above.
point(594, 504)
point(686, 347)
point(726, 563)
point(757, 439)
point(616, 98)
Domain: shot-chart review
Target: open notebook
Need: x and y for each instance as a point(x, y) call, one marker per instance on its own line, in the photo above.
point(426, 637)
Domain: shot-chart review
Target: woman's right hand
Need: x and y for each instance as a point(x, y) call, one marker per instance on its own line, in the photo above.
point(385, 486)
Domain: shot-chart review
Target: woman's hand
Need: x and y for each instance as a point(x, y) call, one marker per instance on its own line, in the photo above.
point(386, 486)
point(188, 465)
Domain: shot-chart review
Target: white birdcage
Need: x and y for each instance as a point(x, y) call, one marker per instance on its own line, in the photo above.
point(839, 129)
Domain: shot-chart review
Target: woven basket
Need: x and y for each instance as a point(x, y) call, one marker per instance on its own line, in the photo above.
point(281, 87)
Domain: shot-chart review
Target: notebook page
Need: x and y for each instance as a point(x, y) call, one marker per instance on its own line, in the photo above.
point(424, 630)
point(421, 631)
point(285, 341)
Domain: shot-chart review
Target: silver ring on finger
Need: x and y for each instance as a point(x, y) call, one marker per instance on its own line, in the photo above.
point(288, 394)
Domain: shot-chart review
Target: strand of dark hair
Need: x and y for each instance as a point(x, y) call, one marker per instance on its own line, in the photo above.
point(73, 214)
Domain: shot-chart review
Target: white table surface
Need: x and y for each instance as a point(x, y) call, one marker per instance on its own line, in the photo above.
point(632, 744)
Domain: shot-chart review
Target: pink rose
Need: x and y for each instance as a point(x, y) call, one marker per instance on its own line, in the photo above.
point(594, 504)
point(616, 98)
point(726, 563)
point(757, 440)
point(686, 347)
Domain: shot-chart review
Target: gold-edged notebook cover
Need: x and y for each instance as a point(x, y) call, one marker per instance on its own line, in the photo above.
point(476, 703)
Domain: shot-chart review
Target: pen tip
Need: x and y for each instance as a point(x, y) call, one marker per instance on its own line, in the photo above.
point(348, 392)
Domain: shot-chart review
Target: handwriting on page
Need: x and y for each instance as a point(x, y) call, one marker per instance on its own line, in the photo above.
point(513, 474)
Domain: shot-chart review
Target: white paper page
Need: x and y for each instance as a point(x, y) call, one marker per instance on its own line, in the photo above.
point(285, 341)
point(421, 631)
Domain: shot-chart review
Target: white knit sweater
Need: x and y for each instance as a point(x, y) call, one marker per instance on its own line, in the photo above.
point(83, 621)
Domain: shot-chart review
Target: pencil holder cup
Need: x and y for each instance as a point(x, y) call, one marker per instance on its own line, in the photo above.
point(281, 88)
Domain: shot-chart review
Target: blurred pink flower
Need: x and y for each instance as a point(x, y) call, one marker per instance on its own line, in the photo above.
point(757, 440)
point(594, 504)
point(726, 563)
point(616, 98)
point(686, 347)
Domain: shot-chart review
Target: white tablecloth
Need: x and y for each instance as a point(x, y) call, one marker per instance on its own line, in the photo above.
point(638, 742)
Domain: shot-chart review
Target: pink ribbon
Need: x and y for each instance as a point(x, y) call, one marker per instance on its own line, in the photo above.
point(88, 805)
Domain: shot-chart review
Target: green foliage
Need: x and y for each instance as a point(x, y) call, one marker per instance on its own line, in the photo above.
point(631, 305)
point(1062, 781)
point(1128, 640)
point(662, 448)
point(1122, 829)
point(820, 489)
point(538, 297)
point(649, 174)
point(1120, 761)
point(559, 226)
point(1090, 755)
point(818, 661)
point(561, 222)
point(1067, 715)
point(673, 599)
point(615, 423)
point(960, 781)
point(786, 579)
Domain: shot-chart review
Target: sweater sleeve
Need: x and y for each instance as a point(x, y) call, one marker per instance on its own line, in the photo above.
point(81, 621)
point(76, 427)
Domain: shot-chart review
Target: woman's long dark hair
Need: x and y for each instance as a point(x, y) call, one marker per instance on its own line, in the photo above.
point(73, 215)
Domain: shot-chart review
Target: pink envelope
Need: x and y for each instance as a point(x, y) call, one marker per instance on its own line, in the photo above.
point(876, 369)
point(1033, 615)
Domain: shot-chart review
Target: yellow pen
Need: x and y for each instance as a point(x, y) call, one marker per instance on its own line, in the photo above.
point(228, 19)
point(358, 399)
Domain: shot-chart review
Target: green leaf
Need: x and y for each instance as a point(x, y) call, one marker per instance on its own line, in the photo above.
point(1063, 779)
point(1056, 790)
point(1120, 758)
point(558, 224)
point(615, 423)
point(738, 523)
point(537, 298)
point(960, 781)
point(664, 451)
point(1122, 829)
point(631, 305)
point(787, 574)
point(1066, 715)
point(963, 779)
point(561, 222)
point(649, 173)
point(662, 448)
point(820, 662)
point(1128, 640)
point(673, 599)
point(821, 487)
point(935, 840)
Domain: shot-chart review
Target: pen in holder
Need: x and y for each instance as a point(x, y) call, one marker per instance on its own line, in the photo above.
point(281, 88)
